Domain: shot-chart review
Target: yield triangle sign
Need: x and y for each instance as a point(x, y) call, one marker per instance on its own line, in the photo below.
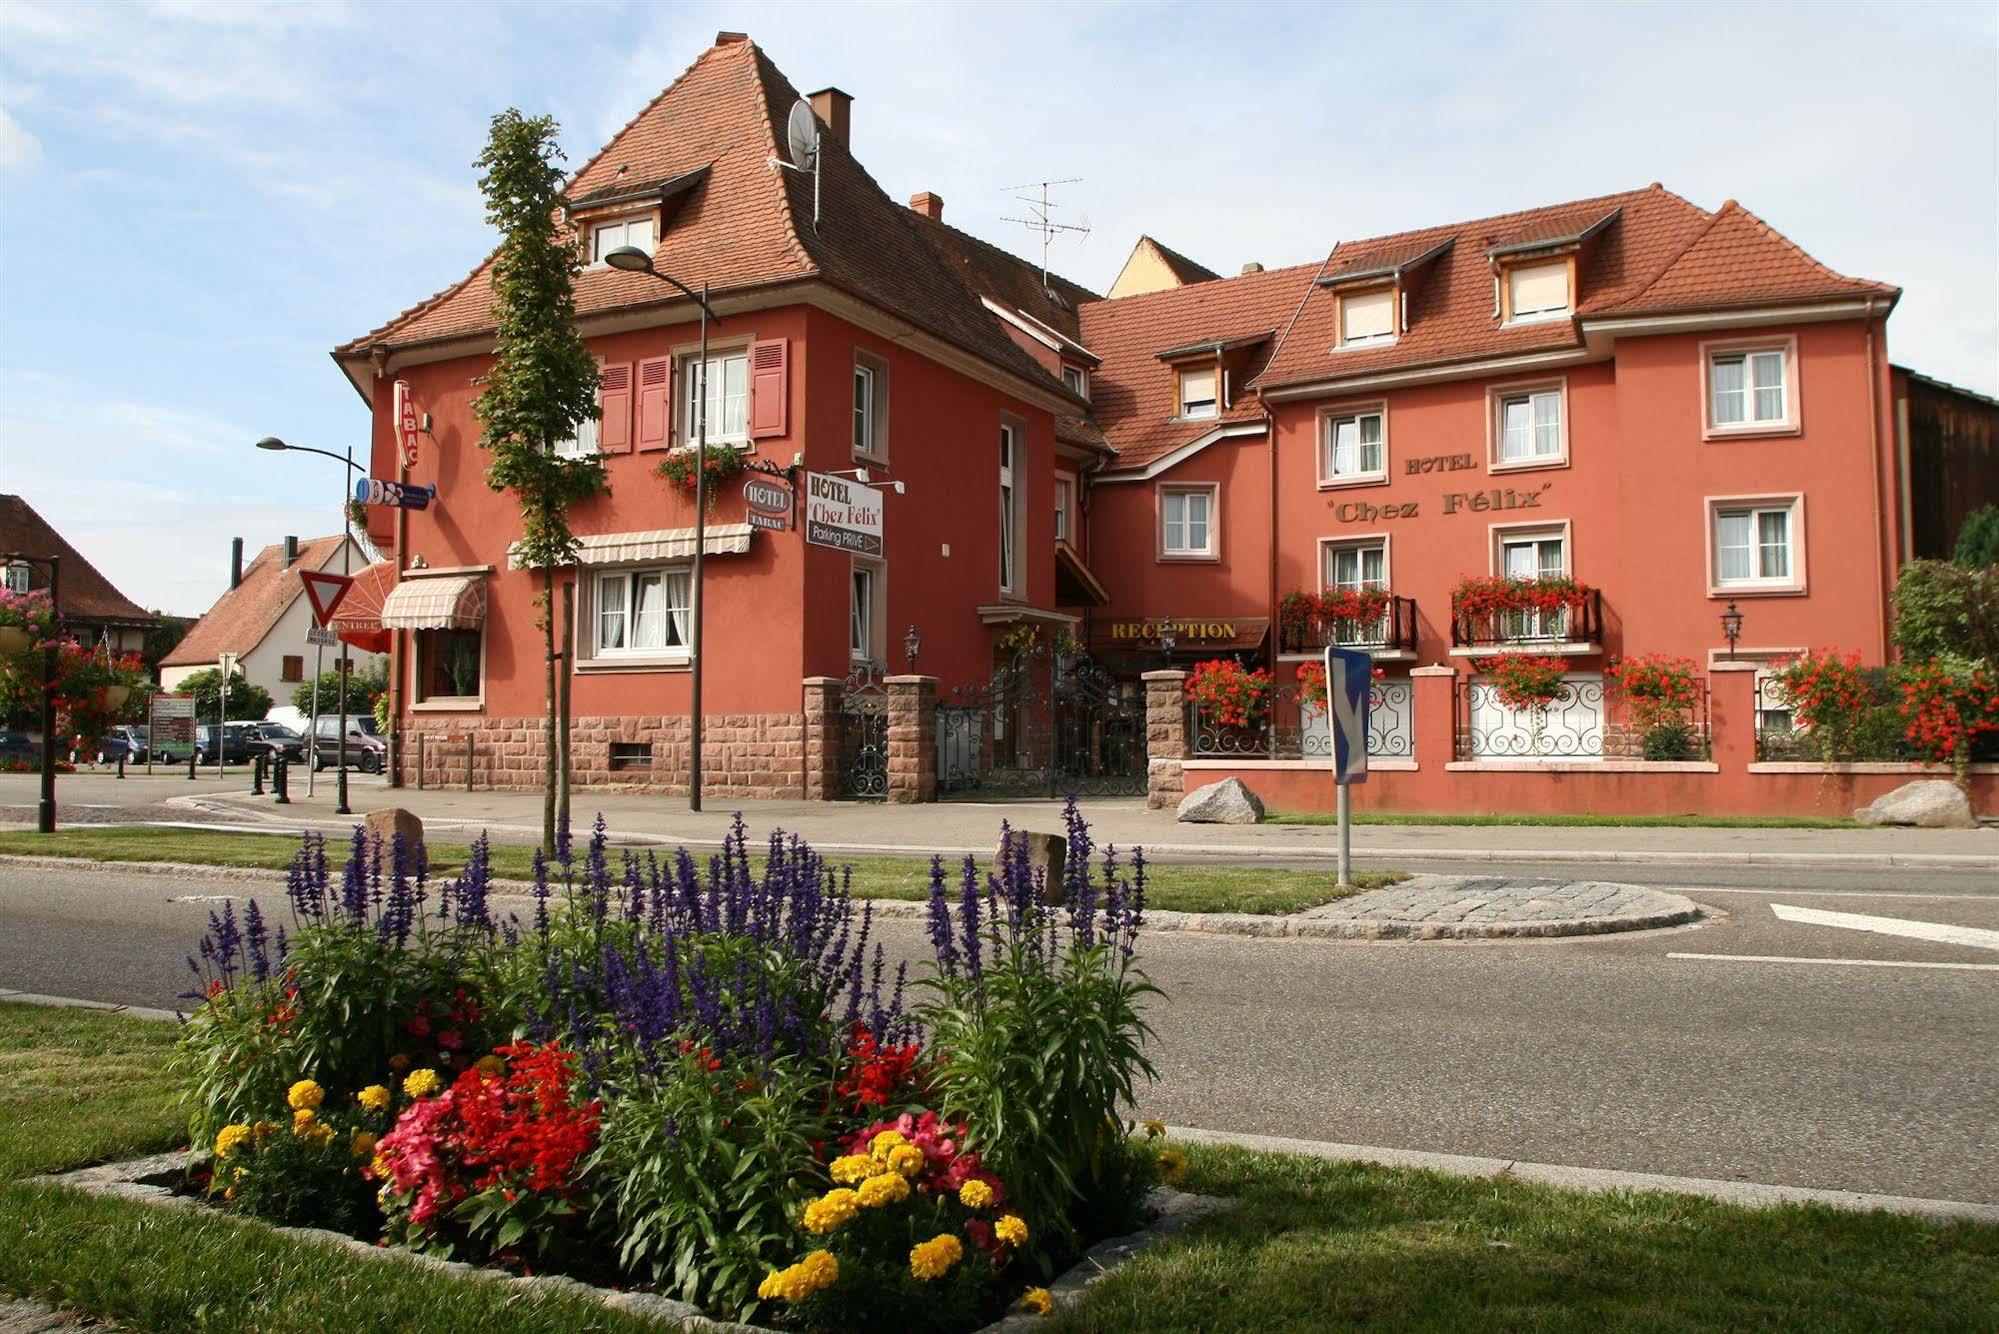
point(324, 592)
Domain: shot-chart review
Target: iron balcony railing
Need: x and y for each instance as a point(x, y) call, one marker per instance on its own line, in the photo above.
point(1287, 728)
point(1392, 631)
point(1580, 621)
point(1589, 720)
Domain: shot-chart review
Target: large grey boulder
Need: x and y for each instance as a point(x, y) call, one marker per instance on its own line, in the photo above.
point(1226, 802)
point(1928, 803)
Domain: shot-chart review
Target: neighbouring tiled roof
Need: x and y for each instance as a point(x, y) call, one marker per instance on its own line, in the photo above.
point(748, 224)
point(1186, 270)
point(1132, 391)
point(241, 617)
point(1005, 278)
point(1659, 254)
point(86, 593)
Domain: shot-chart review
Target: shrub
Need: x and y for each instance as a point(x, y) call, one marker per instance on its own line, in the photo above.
point(1978, 539)
point(248, 701)
point(1526, 683)
point(364, 688)
point(1948, 711)
point(1947, 611)
point(1229, 693)
point(1846, 710)
point(1660, 695)
point(304, 1168)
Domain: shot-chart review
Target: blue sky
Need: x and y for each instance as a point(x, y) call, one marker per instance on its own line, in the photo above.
point(198, 200)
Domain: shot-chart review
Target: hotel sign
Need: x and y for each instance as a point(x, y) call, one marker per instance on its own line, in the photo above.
point(767, 503)
point(1497, 499)
point(843, 515)
point(1185, 632)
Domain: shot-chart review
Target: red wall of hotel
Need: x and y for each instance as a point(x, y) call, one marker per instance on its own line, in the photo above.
point(1633, 494)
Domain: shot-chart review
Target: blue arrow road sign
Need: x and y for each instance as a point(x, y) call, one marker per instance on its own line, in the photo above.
point(1349, 689)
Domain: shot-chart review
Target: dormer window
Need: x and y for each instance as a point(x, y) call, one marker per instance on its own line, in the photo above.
point(605, 237)
point(1077, 379)
point(1537, 291)
point(1367, 317)
point(1199, 392)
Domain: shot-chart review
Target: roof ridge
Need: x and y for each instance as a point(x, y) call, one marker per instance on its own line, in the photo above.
point(1277, 348)
point(1127, 302)
point(1183, 257)
point(1005, 254)
point(1757, 220)
point(765, 72)
point(1673, 261)
point(1497, 217)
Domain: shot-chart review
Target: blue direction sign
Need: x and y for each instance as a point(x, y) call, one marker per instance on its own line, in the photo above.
point(1349, 690)
point(371, 491)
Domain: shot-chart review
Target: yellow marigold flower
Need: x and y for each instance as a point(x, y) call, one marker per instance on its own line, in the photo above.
point(490, 1066)
point(1038, 1300)
point(1172, 1166)
point(830, 1210)
point(934, 1258)
point(379, 1167)
point(975, 1194)
point(363, 1144)
point(231, 1138)
point(374, 1098)
point(888, 1188)
point(1153, 1130)
point(1011, 1229)
point(303, 1118)
point(906, 1159)
point(767, 1291)
point(851, 1169)
point(304, 1095)
point(886, 1140)
point(421, 1083)
point(821, 1269)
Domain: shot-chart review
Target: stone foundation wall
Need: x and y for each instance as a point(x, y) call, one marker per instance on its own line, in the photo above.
point(747, 756)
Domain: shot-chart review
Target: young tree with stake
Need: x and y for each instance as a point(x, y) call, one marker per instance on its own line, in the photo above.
point(542, 383)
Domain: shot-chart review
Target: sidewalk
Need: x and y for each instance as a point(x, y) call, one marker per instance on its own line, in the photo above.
point(957, 827)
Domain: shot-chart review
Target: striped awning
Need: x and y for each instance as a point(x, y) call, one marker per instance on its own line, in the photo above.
point(720, 539)
point(442, 602)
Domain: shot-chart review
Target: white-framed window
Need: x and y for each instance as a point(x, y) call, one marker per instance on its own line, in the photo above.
point(1078, 380)
point(1755, 545)
point(1009, 515)
point(870, 406)
point(1353, 566)
point(1748, 387)
point(864, 612)
point(1187, 521)
point(1199, 395)
point(20, 577)
point(1065, 500)
point(608, 236)
point(1367, 317)
point(1530, 426)
point(583, 443)
point(1537, 291)
point(1354, 446)
point(1535, 554)
point(728, 377)
point(641, 613)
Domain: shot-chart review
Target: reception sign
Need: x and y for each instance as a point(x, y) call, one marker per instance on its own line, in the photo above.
point(843, 515)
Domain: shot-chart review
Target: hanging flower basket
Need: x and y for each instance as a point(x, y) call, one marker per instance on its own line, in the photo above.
point(26, 619)
point(14, 639)
point(113, 697)
point(1526, 683)
point(721, 463)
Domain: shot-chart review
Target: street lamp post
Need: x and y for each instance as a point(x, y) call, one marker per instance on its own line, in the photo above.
point(631, 259)
point(271, 442)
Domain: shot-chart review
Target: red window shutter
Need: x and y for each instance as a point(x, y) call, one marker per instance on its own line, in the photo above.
point(655, 402)
point(614, 434)
point(770, 387)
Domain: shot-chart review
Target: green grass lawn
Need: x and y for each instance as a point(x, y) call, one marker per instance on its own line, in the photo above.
point(1313, 1244)
point(1573, 820)
point(1247, 889)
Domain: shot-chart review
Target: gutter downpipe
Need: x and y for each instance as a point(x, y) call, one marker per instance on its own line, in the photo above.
point(1883, 567)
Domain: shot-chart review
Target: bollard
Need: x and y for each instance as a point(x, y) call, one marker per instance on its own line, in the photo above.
point(468, 761)
point(419, 761)
point(281, 781)
point(121, 765)
point(257, 774)
point(192, 756)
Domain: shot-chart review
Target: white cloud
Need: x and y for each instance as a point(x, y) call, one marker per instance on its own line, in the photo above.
point(20, 150)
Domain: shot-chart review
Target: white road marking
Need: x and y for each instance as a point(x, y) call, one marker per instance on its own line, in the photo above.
point(1975, 937)
point(1850, 963)
point(1795, 892)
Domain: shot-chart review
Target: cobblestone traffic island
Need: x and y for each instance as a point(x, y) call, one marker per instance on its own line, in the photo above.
point(1437, 907)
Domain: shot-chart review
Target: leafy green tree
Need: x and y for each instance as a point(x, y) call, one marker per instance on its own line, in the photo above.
point(364, 687)
point(1947, 610)
point(163, 637)
point(247, 701)
point(1978, 539)
point(542, 382)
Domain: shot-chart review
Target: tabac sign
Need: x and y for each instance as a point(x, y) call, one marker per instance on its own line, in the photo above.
point(843, 515)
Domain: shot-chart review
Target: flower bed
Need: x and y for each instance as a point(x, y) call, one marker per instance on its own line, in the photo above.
point(705, 1082)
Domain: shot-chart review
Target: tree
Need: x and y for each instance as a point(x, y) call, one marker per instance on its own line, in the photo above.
point(1946, 610)
point(542, 382)
point(364, 687)
point(247, 701)
point(165, 635)
point(1978, 539)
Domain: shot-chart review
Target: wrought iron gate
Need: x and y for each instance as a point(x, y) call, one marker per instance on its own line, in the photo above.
point(864, 734)
point(1043, 725)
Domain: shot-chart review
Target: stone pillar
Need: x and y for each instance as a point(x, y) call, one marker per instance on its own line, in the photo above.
point(1165, 737)
point(912, 738)
point(1433, 698)
point(1732, 714)
point(822, 738)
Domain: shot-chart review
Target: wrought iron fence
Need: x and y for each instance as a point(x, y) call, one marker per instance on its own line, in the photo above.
point(1044, 724)
point(1580, 621)
point(864, 733)
point(1394, 629)
point(1875, 732)
point(1590, 720)
point(1290, 728)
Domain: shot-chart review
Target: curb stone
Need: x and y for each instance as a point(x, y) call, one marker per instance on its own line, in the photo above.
point(144, 1180)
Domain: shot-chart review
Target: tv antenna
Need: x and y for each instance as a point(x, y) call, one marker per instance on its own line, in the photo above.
point(801, 145)
point(1043, 221)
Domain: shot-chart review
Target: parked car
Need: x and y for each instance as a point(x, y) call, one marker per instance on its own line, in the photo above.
point(272, 739)
point(17, 746)
point(124, 742)
point(235, 745)
point(367, 749)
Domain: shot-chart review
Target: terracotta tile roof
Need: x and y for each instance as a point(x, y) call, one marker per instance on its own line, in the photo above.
point(1354, 261)
point(1132, 392)
point(86, 594)
point(747, 225)
point(1554, 227)
point(1660, 253)
point(1186, 270)
point(1005, 278)
point(241, 617)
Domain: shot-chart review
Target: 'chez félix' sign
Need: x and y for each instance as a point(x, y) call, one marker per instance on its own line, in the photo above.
point(1495, 500)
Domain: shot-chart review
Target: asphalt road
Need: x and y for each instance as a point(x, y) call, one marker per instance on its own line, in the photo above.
point(1598, 1051)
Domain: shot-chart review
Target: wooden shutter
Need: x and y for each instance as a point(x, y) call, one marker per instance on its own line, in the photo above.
point(770, 387)
point(614, 433)
point(655, 403)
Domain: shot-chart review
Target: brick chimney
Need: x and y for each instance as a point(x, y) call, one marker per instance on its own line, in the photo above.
point(291, 550)
point(1251, 267)
point(835, 110)
point(727, 38)
point(929, 205)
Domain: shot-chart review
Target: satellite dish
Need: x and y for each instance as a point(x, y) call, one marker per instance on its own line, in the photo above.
point(801, 135)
